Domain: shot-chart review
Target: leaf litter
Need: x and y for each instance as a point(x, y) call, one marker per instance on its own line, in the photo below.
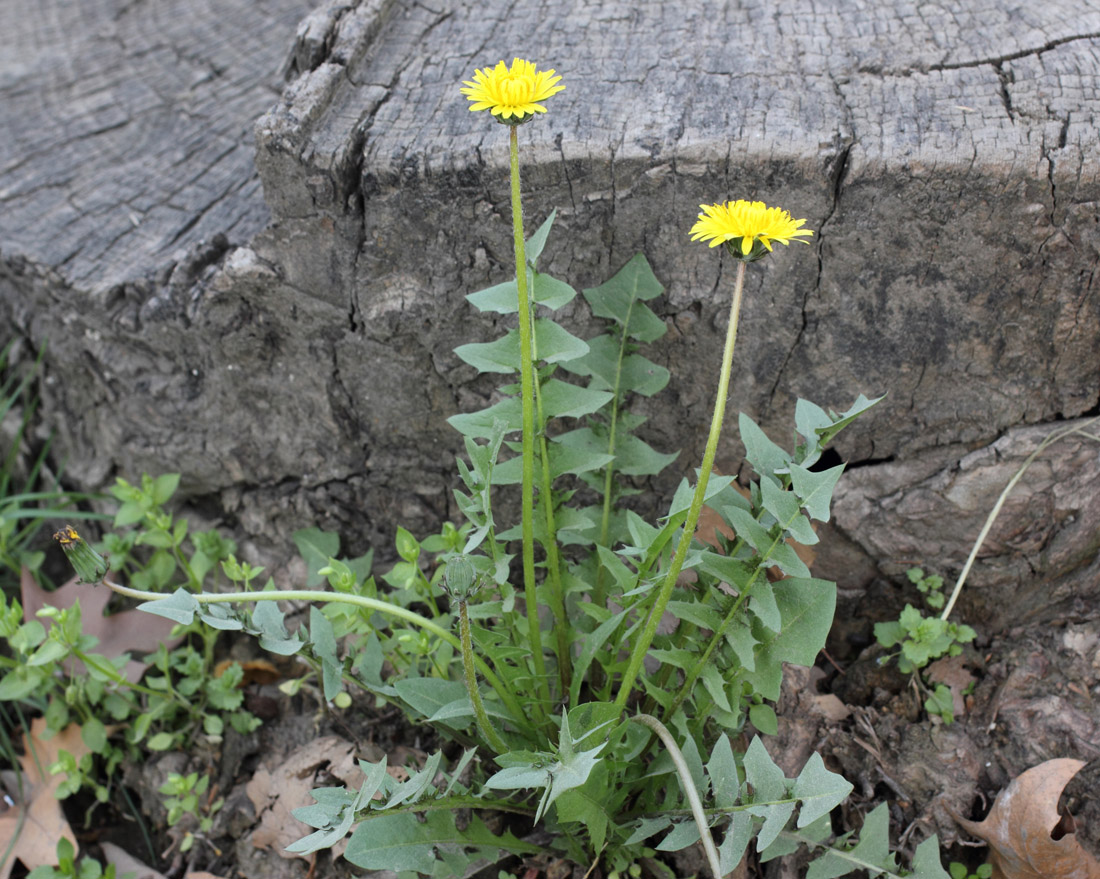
point(1027, 837)
point(38, 823)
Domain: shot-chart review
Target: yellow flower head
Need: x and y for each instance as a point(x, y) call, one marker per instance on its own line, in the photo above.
point(747, 228)
point(513, 91)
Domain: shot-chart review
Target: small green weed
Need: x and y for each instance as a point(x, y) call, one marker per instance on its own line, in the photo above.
point(960, 871)
point(923, 639)
point(68, 867)
point(929, 585)
point(183, 798)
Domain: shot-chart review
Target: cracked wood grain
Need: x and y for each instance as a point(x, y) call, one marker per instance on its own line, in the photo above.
point(274, 314)
point(127, 129)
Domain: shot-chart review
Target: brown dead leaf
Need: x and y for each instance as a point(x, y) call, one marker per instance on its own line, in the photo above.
point(44, 825)
point(126, 864)
point(275, 794)
point(830, 707)
point(256, 671)
point(951, 671)
point(1023, 828)
point(129, 631)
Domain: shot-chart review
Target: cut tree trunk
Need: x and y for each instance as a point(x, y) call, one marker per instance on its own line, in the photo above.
point(291, 353)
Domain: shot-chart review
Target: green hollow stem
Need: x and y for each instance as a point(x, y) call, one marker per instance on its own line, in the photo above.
point(688, 786)
point(373, 604)
point(553, 562)
point(527, 402)
point(638, 653)
point(491, 736)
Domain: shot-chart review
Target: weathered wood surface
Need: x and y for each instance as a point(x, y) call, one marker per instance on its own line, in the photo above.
point(300, 368)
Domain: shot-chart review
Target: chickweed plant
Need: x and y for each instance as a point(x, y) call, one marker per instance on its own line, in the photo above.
point(54, 666)
point(921, 639)
point(600, 684)
point(184, 799)
point(68, 867)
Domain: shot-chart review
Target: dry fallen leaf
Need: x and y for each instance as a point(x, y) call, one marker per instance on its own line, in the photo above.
point(951, 671)
point(829, 706)
point(126, 864)
point(256, 671)
point(129, 631)
point(275, 794)
point(1024, 830)
point(45, 824)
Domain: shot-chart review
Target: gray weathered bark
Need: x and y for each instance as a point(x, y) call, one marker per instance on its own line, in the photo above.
point(296, 365)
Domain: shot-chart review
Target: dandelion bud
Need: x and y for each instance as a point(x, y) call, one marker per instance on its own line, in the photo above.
point(461, 578)
point(89, 565)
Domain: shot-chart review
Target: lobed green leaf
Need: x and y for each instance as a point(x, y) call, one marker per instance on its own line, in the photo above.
point(611, 366)
point(765, 456)
point(872, 853)
point(617, 300)
point(774, 549)
point(815, 489)
point(785, 507)
point(180, 607)
point(819, 790)
point(402, 842)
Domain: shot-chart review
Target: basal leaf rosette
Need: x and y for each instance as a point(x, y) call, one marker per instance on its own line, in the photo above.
point(512, 94)
point(747, 228)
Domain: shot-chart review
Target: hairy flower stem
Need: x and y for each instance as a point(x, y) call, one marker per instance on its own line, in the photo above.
point(687, 784)
point(553, 562)
point(527, 402)
point(371, 604)
point(657, 611)
point(491, 736)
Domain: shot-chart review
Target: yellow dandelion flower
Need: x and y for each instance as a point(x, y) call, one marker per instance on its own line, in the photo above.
point(743, 226)
point(511, 91)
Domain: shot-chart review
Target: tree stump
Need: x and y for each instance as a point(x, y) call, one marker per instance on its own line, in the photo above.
point(290, 352)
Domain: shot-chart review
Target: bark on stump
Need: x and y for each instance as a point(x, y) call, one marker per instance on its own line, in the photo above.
point(290, 350)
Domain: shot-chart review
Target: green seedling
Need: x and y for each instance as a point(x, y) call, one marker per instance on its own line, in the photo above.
point(68, 867)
